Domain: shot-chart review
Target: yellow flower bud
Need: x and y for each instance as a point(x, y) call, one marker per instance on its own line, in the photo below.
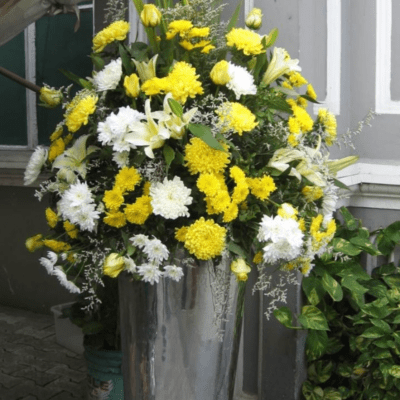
point(219, 74)
point(113, 265)
point(254, 19)
point(34, 242)
point(240, 269)
point(50, 96)
point(150, 15)
point(131, 85)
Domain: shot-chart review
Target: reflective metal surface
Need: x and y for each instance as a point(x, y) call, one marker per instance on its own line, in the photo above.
point(169, 343)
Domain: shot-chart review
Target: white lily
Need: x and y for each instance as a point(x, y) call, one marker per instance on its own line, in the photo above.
point(73, 159)
point(149, 134)
point(280, 64)
point(175, 124)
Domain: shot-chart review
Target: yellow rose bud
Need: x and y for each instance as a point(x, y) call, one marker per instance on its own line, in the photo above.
point(131, 85)
point(254, 19)
point(50, 96)
point(150, 15)
point(240, 269)
point(219, 74)
point(113, 265)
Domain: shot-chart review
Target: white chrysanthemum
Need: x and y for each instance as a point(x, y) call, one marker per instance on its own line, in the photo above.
point(121, 159)
point(284, 237)
point(62, 278)
point(139, 240)
point(109, 77)
point(77, 206)
point(49, 262)
point(173, 272)
point(170, 198)
point(35, 165)
point(130, 265)
point(242, 81)
point(150, 273)
point(156, 251)
point(114, 129)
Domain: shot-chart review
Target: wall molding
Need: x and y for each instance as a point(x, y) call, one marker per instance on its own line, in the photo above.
point(383, 99)
point(333, 58)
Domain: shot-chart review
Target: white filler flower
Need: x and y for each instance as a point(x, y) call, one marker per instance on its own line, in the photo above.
point(170, 198)
point(109, 77)
point(35, 164)
point(283, 236)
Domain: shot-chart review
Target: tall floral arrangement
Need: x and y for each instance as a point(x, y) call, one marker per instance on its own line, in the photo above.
point(198, 140)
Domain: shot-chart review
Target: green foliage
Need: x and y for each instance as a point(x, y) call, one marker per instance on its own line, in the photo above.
point(353, 342)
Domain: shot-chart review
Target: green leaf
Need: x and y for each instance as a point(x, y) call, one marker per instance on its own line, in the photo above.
point(126, 60)
point(313, 318)
point(344, 370)
point(393, 231)
point(377, 308)
point(320, 371)
point(313, 289)
point(366, 245)
point(380, 354)
point(75, 78)
point(271, 38)
point(373, 333)
point(340, 185)
point(97, 61)
point(349, 220)
point(169, 154)
point(139, 51)
point(393, 281)
point(334, 345)
point(92, 328)
point(343, 246)
point(235, 16)
point(235, 248)
point(394, 370)
point(176, 108)
point(204, 133)
point(316, 344)
point(357, 290)
point(332, 287)
point(284, 316)
point(280, 104)
point(332, 394)
point(260, 63)
point(364, 233)
point(311, 392)
point(381, 324)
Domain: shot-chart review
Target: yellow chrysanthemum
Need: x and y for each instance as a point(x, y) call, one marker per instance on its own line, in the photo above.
point(237, 117)
point(296, 79)
point(56, 148)
point(146, 188)
point(201, 158)
point(294, 126)
point(240, 192)
point(207, 49)
point(328, 120)
point(127, 179)
point(180, 233)
point(198, 32)
point(115, 219)
point(321, 237)
point(34, 242)
point(78, 111)
point(51, 217)
point(301, 116)
point(292, 140)
point(56, 245)
point(116, 31)
point(57, 133)
point(312, 193)
point(302, 224)
point(182, 82)
point(247, 41)
point(237, 174)
point(302, 102)
point(258, 258)
point(68, 138)
point(208, 184)
point(205, 239)
point(113, 199)
point(231, 213)
point(132, 86)
point(180, 26)
point(138, 212)
point(221, 201)
point(311, 92)
point(71, 229)
point(261, 187)
point(186, 45)
point(286, 85)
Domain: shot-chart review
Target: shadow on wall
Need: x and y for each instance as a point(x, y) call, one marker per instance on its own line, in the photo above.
point(24, 283)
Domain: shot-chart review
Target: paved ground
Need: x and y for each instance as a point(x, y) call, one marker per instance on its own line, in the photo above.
point(32, 365)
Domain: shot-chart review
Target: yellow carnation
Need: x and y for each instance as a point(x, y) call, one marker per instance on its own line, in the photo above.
point(78, 111)
point(51, 217)
point(116, 31)
point(138, 212)
point(115, 219)
point(237, 174)
point(205, 239)
point(247, 41)
point(34, 242)
point(179, 26)
point(261, 187)
point(198, 32)
point(56, 245)
point(237, 117)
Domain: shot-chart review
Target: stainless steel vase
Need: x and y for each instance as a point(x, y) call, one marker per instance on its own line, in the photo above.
point(170, 343)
